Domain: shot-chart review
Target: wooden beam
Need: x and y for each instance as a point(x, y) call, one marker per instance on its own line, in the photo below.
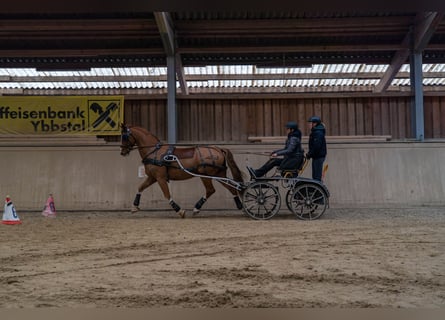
point(59, 53)
point(425, 29)
point(79, 7)
point(397, 61)
point(49, 52)
point(214, 77)
point(422, 30)
point(293, 25)
point(180, 73)
point(37, 25)
point(295, 48)
point(161, 94)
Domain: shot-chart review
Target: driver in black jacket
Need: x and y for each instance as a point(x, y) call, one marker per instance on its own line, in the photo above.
point(293, 153)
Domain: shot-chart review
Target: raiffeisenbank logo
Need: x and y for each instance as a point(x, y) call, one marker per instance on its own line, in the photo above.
point(104, 115)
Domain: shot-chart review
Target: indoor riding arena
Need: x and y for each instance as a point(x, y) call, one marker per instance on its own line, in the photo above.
point(102, 111)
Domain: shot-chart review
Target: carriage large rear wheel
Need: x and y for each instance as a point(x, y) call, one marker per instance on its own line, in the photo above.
point(307, 201)
point(261, 200)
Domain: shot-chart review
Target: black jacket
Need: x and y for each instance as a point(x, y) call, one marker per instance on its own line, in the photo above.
point(317, 142)
point(292, 147)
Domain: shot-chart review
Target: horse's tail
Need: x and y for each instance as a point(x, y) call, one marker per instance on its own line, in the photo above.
point(236, 172)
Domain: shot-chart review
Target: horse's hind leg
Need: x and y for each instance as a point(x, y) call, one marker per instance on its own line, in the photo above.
point(236, 198)
point(210, 189)
point(144, 185)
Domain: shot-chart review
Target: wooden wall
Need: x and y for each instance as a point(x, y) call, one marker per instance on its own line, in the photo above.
point(234, 120)
point(434, 117)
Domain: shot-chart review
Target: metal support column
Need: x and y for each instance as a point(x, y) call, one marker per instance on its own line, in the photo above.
point(171, 100)
point(417, 112)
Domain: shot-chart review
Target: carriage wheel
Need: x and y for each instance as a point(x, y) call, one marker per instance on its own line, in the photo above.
point(289, 195)
point(261, 200)
point(307, 201)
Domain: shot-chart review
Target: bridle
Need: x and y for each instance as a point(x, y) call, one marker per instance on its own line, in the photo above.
point(129, 145)
point(126, 137)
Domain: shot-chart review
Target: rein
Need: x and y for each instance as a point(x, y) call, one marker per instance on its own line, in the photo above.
point(138, 147)
point(135, 146)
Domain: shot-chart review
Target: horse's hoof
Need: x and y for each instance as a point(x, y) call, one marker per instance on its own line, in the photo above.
point(134, 209)
point(181, 213)
point(196, 211)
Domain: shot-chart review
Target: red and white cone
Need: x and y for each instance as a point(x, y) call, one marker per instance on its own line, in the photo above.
point(49, 210)
point(9, 214)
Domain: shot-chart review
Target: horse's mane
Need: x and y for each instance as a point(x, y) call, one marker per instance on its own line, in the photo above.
point(138, 128)
point(143, 130)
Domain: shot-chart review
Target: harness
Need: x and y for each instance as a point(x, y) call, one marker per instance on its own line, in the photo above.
point(156, 162)
point(170, 151)
point(152, 158)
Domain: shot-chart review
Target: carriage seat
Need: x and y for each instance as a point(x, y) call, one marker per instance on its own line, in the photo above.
point(288, 173)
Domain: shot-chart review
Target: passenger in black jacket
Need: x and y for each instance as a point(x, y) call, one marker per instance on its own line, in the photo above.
point(293, 153)
point(317, 147)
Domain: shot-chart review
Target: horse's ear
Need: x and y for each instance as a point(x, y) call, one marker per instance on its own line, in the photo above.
point(123, 126)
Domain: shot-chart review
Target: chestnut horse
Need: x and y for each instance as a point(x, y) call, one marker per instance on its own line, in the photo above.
point(200, 160)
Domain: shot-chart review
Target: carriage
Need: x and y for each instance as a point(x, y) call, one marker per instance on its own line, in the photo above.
point(259, 198)
point(306, 198)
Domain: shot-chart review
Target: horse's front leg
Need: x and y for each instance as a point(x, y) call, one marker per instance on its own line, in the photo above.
point(166, 191)
point(210, 189)
point(144, 185)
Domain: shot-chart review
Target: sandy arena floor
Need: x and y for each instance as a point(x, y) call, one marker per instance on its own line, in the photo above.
point(348, 258)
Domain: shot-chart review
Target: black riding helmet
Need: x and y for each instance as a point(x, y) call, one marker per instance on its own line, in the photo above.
point(292, 125)
point(315, 119)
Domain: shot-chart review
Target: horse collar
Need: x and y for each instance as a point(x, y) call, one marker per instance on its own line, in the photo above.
point(157, 146)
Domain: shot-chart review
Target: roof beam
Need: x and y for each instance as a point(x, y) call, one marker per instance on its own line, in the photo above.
point(292, 48)
point(215, 77)
point(279, 26)
point(59, 53)
point(181, 74)
point(425, 29)
point(84, 24)
point(165, 26)
point(417, 38)
point(228, 93)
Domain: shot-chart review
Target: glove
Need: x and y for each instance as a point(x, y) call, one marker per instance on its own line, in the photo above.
point(308, 156)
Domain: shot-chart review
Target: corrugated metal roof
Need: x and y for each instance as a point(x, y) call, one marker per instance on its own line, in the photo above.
point(222, 76)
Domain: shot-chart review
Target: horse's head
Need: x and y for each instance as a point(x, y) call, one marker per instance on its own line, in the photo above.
point(127, 140)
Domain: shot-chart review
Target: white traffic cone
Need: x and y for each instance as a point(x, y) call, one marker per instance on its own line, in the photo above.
point(49, 210)
point(9, 214)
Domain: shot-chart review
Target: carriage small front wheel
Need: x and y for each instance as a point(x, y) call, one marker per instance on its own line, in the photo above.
point(308, 201)
point(261, 200)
